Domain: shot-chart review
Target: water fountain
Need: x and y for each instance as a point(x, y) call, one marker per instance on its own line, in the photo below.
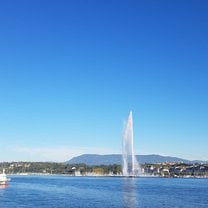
point(130, 164)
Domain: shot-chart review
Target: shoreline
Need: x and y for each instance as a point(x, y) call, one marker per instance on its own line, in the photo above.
point(107, 176)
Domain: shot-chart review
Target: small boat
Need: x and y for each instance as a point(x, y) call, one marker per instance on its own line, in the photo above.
point(3, 178)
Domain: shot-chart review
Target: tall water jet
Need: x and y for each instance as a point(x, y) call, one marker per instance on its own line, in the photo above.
point(130, 164)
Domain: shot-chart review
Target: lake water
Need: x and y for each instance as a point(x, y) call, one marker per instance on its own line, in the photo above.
point(103, 192)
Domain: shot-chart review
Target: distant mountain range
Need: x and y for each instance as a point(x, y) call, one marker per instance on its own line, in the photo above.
point(94, 159)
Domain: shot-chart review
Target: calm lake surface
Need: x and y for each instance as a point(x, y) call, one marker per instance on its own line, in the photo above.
point(105, 192)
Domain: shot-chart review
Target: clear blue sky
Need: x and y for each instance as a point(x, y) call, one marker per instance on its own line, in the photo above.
point(70, 72)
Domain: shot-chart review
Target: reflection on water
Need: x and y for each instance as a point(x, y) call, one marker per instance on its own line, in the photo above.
point(3, 186)
point(103, 192)
point(129, 193)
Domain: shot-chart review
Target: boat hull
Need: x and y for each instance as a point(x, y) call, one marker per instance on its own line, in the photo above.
point(3, 182)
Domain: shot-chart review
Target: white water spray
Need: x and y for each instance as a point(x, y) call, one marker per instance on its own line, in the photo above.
point(130, 164)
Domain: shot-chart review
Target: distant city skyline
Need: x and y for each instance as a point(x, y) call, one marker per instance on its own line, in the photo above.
point(71, 71)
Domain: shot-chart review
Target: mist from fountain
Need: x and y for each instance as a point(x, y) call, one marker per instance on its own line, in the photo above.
point(130, 165)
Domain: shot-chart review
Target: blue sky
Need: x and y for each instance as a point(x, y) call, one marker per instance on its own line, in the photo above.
point(70, 72)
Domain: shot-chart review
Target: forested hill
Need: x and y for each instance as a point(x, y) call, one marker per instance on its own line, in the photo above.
point(94, 159)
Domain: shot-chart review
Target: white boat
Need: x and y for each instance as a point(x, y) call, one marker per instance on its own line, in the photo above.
point(3, 178)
